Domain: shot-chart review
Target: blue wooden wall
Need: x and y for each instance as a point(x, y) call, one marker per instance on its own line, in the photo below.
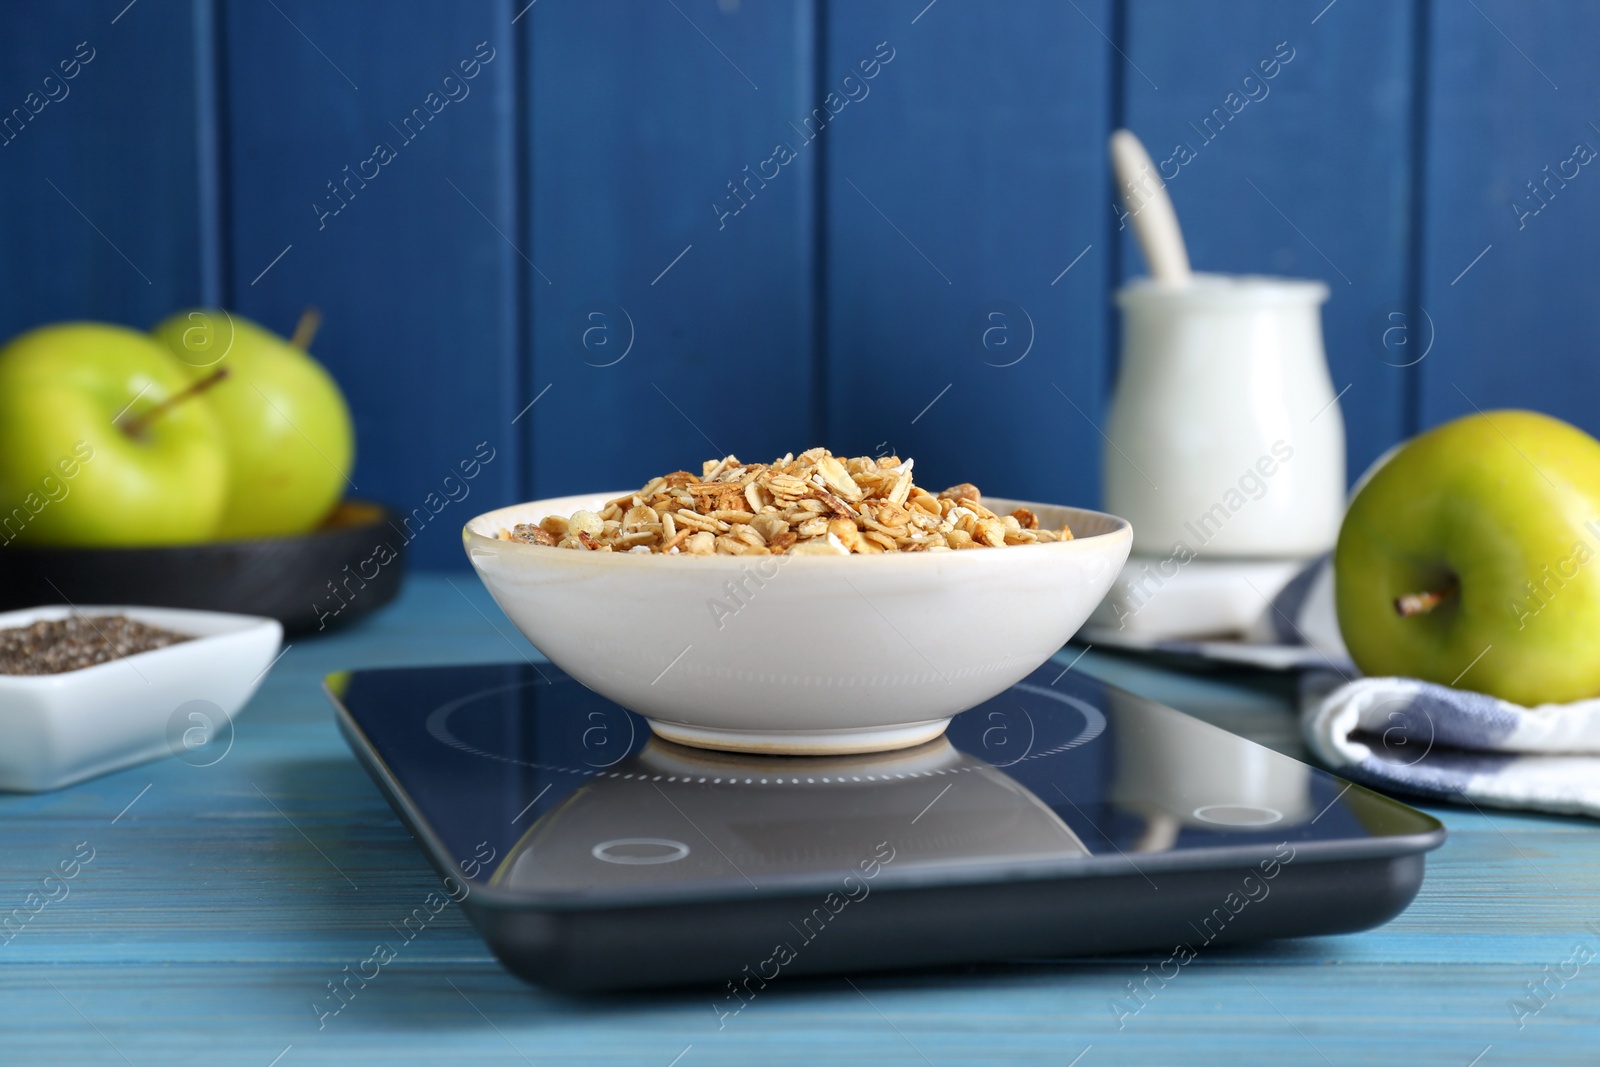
point(688, 227)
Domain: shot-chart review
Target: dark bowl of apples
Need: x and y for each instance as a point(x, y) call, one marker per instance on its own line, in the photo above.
point(313, 582)
point(201, 465)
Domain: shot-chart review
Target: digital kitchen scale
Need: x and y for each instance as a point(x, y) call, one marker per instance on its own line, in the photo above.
point(1063, 817)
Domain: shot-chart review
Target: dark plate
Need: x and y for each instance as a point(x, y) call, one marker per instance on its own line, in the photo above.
point(346, 569)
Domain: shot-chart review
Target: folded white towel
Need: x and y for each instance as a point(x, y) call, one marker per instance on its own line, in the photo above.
point(1401, 734)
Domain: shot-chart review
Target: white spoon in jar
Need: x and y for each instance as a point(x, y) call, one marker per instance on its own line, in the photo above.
point(1155, 223)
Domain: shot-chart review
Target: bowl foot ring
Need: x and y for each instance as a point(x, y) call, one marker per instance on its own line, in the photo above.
point(802, 742)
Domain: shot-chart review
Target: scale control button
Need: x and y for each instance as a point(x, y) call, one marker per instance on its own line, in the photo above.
point(640, 851)
point(1242, 815)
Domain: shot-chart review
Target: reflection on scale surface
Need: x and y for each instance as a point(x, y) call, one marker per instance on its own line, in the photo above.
point(684, 814)
point(572, 793)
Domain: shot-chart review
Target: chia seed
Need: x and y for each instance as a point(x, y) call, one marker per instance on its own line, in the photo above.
point(55, 646)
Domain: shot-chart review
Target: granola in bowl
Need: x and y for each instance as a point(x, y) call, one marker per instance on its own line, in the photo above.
point(812, 504)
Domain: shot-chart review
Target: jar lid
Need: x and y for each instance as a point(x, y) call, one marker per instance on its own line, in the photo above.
point(1231, 291)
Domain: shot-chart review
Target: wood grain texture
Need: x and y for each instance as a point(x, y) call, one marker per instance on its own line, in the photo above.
point(532, 233)
point(1306, 173)
point(1510, 95)
point(958, 192)
point(672, 316)
point(410, 256)
point(208, 922)
point(99, 185)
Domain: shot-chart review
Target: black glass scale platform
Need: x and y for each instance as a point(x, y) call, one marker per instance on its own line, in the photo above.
point(1063, 817)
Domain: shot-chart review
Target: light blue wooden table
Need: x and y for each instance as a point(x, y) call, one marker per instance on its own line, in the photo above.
point(212, 915)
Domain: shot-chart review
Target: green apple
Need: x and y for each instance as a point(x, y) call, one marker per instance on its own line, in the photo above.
point(100, 443)
point(289, 442)
point(1470, 558)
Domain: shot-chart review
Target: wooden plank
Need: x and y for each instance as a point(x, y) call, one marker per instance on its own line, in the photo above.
point(1509, 266)
point(1306, 173)
point(370, 176)
point(99, 219)
point(959, 191)
point(1350, 1010)
point(666, 330)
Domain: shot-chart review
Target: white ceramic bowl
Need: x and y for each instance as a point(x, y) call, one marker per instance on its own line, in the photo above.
point(799, 654)
point(56, 729)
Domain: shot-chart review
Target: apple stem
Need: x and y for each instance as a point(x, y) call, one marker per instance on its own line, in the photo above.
point(136, 426)
point(1419, 603)
point(305, 331)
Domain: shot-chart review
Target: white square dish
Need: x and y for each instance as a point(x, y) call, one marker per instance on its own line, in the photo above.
point(57, 729)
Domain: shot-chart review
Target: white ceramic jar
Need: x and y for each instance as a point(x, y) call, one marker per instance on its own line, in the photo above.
point(1225, 434)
